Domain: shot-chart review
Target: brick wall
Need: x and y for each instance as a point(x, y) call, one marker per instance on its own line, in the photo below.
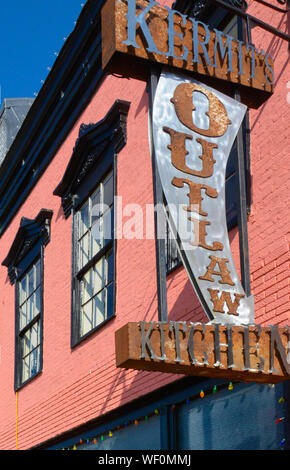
point(78, 385)
point(269, 222)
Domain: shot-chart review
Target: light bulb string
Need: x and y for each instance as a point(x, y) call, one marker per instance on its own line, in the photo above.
point(108, 434)
point(100, 437)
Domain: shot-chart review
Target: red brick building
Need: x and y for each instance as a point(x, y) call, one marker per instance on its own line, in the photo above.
point(65, 291)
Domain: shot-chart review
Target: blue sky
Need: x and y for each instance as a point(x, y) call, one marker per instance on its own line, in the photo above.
point(31, 32)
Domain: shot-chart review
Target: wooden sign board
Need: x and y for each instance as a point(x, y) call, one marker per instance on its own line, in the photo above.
point(241, 353)
point(138, 32)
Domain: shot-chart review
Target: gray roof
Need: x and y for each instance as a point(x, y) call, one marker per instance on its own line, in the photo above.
point(12, 114)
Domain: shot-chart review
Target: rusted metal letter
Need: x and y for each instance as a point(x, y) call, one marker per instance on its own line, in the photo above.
point(183, 103)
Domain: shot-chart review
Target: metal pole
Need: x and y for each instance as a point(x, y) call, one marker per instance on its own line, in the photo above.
point(242, 212)
point(249, 34)
point(159, 214)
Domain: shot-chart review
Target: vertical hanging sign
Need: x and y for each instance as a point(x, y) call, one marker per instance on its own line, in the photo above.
point(194, 128)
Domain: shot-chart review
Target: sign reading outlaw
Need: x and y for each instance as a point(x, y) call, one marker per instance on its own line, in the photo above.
point(194, 128)
point(242, 353)
point(136, 32)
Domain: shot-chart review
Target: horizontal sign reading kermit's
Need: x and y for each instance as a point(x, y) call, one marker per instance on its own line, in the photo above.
point(143, 30)
point(242, 353)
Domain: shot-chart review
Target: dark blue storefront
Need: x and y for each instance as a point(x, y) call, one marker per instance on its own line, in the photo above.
point(204, 415)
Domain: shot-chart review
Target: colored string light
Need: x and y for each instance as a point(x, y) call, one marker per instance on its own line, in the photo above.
point(156, 412)
point(279, 420)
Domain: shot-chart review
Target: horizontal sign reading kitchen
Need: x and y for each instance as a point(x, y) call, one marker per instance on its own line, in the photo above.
point(242, 353)
point(194, 128)
point(146, 31)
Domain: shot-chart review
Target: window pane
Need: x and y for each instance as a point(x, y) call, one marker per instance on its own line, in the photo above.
point(37, 274)
point(84, 251)
point(99, 307)
point(100, 275)
point(25, 368)
point(30, 308)
point(31, 281)
point(96, 207)
point(84, 220)
point(110, 266)
point(35, 361)
point(22, 290)
point(26, 343)
point(231, 201)
point(109, 191)
point(35, 336)
point(23, 316)
point(31, 364)
point(110, 300)
point(86, 318)
point(37, 301)
point(87, 286)
point(172, 254)
point(96, 237)
point(108, 226)
point(31, 339)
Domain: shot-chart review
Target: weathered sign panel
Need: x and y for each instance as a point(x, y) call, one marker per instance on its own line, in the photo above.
point(194, 128)
point(137, 32)
point(243, 353)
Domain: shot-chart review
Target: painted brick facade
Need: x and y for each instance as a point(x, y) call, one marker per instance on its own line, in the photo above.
point(269, 221)
point(80, 384)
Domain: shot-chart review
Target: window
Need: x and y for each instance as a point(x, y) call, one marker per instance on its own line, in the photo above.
point(95, 259)
point(28, 321)
point(87, 190)
point(25, 262)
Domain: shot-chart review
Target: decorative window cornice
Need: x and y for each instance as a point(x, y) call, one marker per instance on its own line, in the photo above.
point(93, 141)
point(29, 233)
